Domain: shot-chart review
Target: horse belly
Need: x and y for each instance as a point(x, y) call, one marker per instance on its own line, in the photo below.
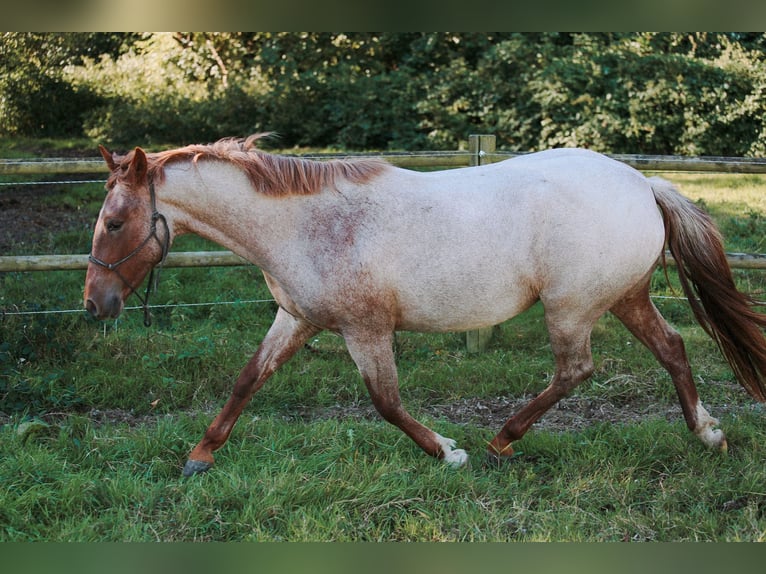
point(454, 317)
point(471, 294)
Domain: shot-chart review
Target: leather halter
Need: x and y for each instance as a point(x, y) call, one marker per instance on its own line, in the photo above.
point(164, 246)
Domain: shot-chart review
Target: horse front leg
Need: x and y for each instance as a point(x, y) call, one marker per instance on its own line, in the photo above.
point(285, 336)
point(374, 357)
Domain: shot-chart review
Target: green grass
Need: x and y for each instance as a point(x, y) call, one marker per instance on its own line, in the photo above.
point(363, 481)
point(115, 407)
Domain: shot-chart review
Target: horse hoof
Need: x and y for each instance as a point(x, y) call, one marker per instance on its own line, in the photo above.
point(193, 467)
point(456, 458)
point(494, 460)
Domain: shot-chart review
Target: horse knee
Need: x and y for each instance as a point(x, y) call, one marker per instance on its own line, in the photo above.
point(585, 370)
point(572, 375)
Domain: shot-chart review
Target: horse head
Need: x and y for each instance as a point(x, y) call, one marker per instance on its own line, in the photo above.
point(129, 239)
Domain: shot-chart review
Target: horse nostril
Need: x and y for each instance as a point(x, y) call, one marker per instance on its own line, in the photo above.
point(92, 308)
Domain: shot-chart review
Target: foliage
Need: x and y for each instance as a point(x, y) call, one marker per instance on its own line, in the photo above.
point(633, 93)
point(679, 93)
point(35, 97)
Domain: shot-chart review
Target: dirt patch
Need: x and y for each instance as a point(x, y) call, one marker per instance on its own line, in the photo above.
point(571, 414)
point(31, 215)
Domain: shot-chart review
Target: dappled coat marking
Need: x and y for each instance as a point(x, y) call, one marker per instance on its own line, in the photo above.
point(363, 248)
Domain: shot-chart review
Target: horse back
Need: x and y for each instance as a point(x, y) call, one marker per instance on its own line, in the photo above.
point(475, 246)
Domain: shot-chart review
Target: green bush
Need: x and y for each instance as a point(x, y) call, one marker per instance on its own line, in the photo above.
point(620, 95)
point(655, 93)
point(37, 98)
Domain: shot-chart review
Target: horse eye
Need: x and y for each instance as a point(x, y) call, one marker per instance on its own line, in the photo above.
point(113, 225)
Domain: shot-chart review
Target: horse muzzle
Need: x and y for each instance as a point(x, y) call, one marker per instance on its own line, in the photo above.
point(108, 307)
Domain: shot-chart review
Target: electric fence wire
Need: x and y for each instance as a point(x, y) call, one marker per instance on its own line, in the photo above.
point(5, 312)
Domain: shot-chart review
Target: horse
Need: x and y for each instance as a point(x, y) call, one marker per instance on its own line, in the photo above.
point(362, 248)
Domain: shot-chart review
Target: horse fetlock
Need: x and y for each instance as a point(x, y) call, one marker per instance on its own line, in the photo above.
point(450, 455)
point(706, 429)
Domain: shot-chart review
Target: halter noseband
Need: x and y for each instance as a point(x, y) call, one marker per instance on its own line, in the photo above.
point(164, 246)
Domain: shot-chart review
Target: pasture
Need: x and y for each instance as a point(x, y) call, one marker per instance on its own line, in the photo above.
point(98, 418)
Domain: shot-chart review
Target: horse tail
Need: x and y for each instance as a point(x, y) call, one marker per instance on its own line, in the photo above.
point(726, 314)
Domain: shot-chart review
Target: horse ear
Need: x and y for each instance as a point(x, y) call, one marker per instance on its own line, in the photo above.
point(108, 158)
point(138, 166)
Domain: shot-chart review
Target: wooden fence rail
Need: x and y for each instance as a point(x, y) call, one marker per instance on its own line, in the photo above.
point(24, 263)
point(426, 159)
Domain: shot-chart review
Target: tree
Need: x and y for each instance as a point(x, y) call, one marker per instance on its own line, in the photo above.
point(35, 98)
point(679, 93)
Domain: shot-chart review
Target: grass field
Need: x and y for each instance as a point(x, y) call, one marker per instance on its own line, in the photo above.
point(98, 419)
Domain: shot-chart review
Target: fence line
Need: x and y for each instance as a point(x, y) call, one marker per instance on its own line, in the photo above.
point(423, 159)
point(81, 310)
point(481, 151)
point(23, 263)
point(65, 182)
point(182, 259)
point(55, 166)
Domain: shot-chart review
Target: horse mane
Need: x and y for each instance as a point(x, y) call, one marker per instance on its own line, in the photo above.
point(269, 174)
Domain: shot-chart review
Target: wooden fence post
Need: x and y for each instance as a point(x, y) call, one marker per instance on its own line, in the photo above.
point(478, 146)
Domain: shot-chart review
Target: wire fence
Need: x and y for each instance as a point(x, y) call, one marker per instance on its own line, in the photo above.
point(58, 182)
point(81, 311)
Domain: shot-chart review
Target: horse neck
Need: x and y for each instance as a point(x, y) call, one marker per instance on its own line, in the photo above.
point(217, 202)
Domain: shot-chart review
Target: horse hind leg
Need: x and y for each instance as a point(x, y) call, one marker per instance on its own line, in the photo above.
point(637, 312)
point(570, 342)
point(374, 357)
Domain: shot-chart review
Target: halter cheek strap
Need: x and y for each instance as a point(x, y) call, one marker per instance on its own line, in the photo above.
point(153, 278)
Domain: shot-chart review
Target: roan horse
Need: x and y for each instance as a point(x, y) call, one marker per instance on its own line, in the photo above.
point(364, 249)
